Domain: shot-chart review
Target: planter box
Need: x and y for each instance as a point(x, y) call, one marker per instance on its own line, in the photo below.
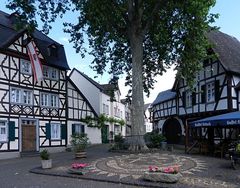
point(81, 154)
point(161, 177)
point(46, 164)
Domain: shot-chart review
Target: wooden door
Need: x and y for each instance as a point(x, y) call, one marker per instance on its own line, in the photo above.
point(28, 138)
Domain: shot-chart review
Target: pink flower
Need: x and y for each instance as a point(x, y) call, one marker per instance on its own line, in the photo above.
point(79, 165)
point(153, 168)
point(171, 169)
point(150, 168)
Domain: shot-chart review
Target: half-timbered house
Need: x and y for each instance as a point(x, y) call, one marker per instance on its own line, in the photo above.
point(216, 91)
point(34, 114)
point(105, 99)
point(78, 109)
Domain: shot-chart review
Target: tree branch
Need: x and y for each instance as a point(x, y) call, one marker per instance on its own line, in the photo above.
point(153, 13)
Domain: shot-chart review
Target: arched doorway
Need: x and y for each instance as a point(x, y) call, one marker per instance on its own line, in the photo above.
point(172, 131)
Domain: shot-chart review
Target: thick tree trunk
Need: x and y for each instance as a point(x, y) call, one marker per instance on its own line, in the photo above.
point(138, 129)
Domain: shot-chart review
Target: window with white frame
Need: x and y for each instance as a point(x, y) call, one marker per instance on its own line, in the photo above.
point(188, 98)
point(54, 100)
point(49, 100)
point(55, 131)
point(26, 97)
point(44, 99)
point(15, 95)
point(25, 67)
point(50, 73)
point(3, 131)
point(210, 93)
point(21, 96)
point(45, 71)
point(105, 109)
point(54, 74)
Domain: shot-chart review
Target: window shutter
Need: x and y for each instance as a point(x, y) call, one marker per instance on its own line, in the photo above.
point(194, 97)
point(63, 131)
point(184, 99)
point(73, 129)
point(11, 130)
point(203, 93)
point(82, 129)
point(48, 131)
point(217, 90)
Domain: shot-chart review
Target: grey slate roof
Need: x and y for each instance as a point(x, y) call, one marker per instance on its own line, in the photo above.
point(8, 34)
point(228, 50)
point(164, 96)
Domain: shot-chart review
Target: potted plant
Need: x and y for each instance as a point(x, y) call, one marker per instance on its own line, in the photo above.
point(46, 161)
point(79, 143)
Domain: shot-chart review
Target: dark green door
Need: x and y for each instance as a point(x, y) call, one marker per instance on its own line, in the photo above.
point(104, 131)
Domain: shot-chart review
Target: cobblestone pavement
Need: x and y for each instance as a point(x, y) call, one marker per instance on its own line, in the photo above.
point(197, 171)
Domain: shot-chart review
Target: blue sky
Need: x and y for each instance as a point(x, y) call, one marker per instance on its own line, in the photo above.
point(229, 22)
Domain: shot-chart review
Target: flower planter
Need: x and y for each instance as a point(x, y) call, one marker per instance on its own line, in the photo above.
point(162, 177)
point(79, 168)
point(46, 164)
point(81, 154)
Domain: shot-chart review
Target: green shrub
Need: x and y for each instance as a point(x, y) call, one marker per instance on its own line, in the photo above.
point(118, 139)
point(238, 148)
point(153, 139)
point(119, 143)
point(44, 154)
point(79, 142)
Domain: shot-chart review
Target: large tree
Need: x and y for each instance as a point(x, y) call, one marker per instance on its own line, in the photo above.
point(141, 38)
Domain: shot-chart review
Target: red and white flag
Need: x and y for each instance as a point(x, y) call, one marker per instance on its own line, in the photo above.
point(36, 64)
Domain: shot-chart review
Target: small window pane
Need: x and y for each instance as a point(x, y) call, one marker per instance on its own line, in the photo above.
point(3, 131)
point(55, 131)
point(54, 73)
point(27, 97)
point(45, 72)
point(26, 67)
point(15, 95)
point(54, 100)
point(44, 99)
point(79, 128)
point(210, 92)
point(188, 99)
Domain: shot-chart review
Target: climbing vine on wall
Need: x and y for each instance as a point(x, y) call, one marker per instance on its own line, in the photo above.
point(101, 121)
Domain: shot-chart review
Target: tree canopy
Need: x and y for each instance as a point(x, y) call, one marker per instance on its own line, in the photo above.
point(141, 38)
point(173, 31)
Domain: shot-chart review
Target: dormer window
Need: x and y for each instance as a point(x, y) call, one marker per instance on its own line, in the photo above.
point(52, 50)
point(50, 73)
point(25, 67)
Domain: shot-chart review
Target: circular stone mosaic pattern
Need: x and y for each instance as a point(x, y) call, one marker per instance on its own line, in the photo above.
point(135, 165)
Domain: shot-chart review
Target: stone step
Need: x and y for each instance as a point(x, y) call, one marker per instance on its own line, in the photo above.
point(30, 154)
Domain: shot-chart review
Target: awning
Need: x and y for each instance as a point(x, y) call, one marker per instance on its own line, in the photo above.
point(229, 119)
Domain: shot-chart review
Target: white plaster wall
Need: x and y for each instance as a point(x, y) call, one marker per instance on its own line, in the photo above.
point(149, 127)
point(90, 91)
point(105, 99)
point(94, 134)
point(160, 125)
point(222, 104)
